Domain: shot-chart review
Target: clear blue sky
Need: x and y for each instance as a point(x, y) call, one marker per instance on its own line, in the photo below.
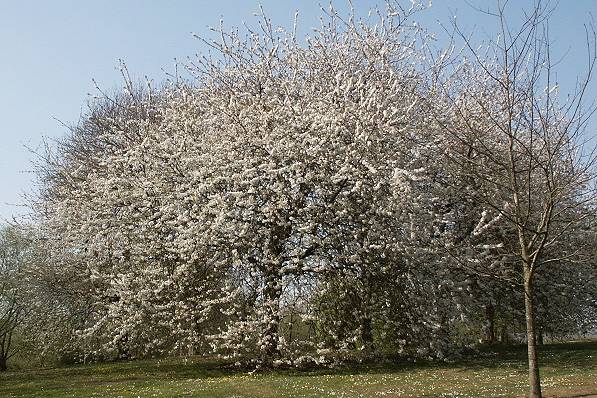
point(51, 50)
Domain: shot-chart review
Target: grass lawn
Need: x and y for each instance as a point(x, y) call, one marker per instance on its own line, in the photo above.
point(568, 370)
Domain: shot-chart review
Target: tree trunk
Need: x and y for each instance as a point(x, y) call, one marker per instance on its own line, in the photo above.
point(540, 336)
point(291, 326)
point(3, 364)
point(366, 321)
point(504, 338)
point(272, 292)
point(534, 381)
point(367, 334)
point(123, 348)
point(489, 324)
point(270, 334)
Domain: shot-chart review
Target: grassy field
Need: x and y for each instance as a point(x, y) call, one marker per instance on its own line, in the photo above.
point(568, 370)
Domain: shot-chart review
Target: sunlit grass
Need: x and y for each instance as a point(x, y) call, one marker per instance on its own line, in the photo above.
point(567, 370)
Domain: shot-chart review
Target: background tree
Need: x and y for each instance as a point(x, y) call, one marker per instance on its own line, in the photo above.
point(14, 255)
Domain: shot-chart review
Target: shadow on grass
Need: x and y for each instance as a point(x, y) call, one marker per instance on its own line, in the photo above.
point(125, 371)
point(557, 355)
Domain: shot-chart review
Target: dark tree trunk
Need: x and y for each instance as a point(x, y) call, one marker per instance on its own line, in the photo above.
point(540, 336)
point(534, 381)
point(291, 326)
point(3, 364)
point(367, 333)
point(504, 337)
point(123, 348)
point(270, 335)
point(489, 324)
point(272, 293)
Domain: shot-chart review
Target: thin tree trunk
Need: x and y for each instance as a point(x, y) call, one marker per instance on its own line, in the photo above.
point(3, 364)
point(291, 325)
point(534, 381)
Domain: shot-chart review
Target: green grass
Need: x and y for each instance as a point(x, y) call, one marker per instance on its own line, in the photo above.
point(568, 370)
